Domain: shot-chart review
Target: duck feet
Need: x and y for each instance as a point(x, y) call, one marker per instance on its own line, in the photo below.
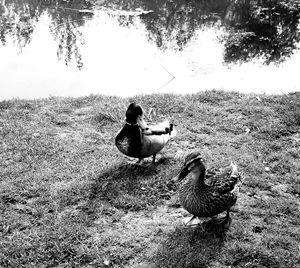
point(217, 225)
point(153, 159)
point(140, 160)
point(189, 221)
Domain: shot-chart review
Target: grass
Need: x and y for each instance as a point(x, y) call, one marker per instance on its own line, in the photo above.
point(68, 198)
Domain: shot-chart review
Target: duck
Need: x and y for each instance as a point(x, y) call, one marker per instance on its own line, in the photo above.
point(208, 194)
point(139, 140)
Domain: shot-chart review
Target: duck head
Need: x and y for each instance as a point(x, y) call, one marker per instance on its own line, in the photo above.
point(135, 115)
point(194, 163)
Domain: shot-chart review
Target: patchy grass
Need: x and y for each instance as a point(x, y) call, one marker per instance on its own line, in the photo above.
point(68, 198)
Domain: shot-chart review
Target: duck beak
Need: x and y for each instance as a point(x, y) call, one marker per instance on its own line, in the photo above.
point(182, 174)
point(141, 122)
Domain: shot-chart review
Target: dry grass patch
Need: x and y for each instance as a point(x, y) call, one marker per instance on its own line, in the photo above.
point(68, 198)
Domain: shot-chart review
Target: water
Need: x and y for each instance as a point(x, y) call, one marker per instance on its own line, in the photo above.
point(76, 48)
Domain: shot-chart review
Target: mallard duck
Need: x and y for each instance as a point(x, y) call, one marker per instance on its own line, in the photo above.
point(208, 200)
point(137, 139)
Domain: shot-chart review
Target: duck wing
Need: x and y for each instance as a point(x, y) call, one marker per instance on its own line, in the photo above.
point(129, 140)
point(225, 185)
point(226, 180)
point(160, 129)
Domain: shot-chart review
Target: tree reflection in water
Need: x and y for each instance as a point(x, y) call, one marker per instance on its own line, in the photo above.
point(174, 23)
point(65, 27)
point(268, 29)
point(18, 19)
point(256, 28)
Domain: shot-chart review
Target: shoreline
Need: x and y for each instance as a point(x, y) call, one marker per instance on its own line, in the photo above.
point(95, 95)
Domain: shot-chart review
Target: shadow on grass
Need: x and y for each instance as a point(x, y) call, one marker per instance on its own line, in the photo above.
point(133, 187)
point(188, 247)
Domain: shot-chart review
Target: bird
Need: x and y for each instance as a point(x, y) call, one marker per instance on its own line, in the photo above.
point(139, 140)
point(208, 194)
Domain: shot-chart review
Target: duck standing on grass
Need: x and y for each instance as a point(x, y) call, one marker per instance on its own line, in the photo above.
point(203, 200)
point(137, 139)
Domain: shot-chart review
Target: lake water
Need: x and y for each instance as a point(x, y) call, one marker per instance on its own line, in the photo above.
point(127, 48)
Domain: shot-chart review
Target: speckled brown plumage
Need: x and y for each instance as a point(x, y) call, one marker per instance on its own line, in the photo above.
point(201, 199)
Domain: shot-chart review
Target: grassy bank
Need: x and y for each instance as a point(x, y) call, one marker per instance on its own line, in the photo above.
point(68, 198)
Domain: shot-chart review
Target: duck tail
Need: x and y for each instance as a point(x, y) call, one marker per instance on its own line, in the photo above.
point(235, 173)
point(164, 127)
point(234, 170)
point(173, 131)
point(239, 176)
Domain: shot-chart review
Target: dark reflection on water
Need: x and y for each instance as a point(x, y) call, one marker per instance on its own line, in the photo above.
point(124, 45)
point(173, 24)
point(262, 28)
point(255, 28)
point(65, 29)
point(19, 19)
